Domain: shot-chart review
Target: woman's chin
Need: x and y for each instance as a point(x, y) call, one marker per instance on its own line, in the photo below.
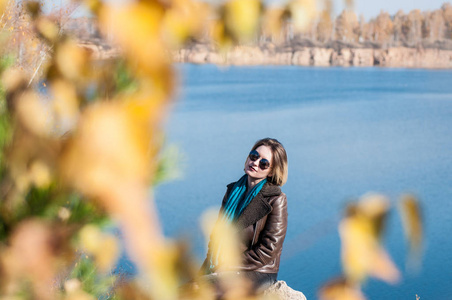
point(253, 177)
point(250, 173)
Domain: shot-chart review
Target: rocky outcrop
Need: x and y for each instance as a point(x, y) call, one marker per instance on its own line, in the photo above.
point(282, 291)
point(362, 57)
point(400, 57)
point(321, 57)
point(413, 58)
point(300, 55)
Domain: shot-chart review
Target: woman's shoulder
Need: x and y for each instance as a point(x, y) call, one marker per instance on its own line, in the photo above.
point(229, 186)
point(269, 190)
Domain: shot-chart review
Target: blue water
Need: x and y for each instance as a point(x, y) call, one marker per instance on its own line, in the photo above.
point(347, 131)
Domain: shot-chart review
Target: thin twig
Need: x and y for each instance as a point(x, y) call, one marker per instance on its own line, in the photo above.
point(37, 69)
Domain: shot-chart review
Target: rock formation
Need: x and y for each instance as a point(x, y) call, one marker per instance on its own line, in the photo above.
point(400, 57)
point(284, 292)
point(397, 57)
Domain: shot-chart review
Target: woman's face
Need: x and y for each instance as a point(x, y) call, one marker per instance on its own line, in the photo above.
point(252, 168)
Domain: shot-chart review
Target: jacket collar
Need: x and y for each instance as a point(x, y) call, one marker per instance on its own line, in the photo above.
point(268, 190)
point(258, 207)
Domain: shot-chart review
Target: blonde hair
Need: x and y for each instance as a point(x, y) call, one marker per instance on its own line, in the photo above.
point(279, 166)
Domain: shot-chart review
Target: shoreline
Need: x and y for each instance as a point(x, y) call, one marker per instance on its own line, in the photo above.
point(397, 57)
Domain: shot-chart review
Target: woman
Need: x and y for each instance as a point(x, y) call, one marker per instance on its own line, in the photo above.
point(258, 209)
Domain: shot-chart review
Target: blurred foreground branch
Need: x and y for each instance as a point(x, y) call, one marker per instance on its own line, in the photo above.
point(80, 141)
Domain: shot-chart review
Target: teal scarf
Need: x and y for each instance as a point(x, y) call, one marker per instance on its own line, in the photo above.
point(238, 201)
point(235, 204)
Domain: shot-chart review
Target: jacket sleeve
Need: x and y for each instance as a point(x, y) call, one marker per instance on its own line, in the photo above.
point(270, 241)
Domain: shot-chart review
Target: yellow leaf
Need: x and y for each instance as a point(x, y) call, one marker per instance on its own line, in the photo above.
point(71, 59)
point(225, 255)
point(185, 18)
point(47, 28)
point(148, 107)
point(362, 254)
point(373, 205)
point(340, 289)
point(383, 268)
point(93, 5)
point(136, 27)
point(13, 79)
point(33, 114)
point(412, 221)
point(104, 247)
point(220, 35)
point(90, 237)
point(165, 277)
point(358, 246)
point(374, 208)
point(241, 18)
point(108, 148)
point(223, 241)
point(303, 13)
point(273, 21)
point(79, 295)
point(65, 105)
point(106, 259)
point(40, 174)
point(3, 5)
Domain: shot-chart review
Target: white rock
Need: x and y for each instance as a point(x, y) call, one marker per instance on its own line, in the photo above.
point(284, 292)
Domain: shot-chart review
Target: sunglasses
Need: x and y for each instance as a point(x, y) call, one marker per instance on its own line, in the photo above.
point(263, 163)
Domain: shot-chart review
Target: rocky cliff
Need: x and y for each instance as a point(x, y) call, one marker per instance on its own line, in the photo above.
point(400, 57)
point(282, 291)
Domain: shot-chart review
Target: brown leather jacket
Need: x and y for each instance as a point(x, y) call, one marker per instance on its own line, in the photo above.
point(262, 227)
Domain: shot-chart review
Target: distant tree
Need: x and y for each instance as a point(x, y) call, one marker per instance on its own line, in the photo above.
point(447, 15)
point(438, 27)
point(324, 28)
point(426, 26)
point(433, 26)
point(398, 22)
point(412, 27)
point(383, 28)
point(347, 27)
point(367, 29)
point(362, 24)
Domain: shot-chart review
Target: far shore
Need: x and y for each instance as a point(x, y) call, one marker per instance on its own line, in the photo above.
point(394, 57)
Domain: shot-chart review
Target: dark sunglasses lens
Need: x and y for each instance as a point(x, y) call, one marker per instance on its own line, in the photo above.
point(264, 164)
point(254, 155)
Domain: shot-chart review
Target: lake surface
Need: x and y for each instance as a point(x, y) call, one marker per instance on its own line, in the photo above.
point(347, 131)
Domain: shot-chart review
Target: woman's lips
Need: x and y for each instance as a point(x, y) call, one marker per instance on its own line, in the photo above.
point(251, 168)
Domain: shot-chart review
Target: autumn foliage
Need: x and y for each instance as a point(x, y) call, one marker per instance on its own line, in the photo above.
point(412, 29)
